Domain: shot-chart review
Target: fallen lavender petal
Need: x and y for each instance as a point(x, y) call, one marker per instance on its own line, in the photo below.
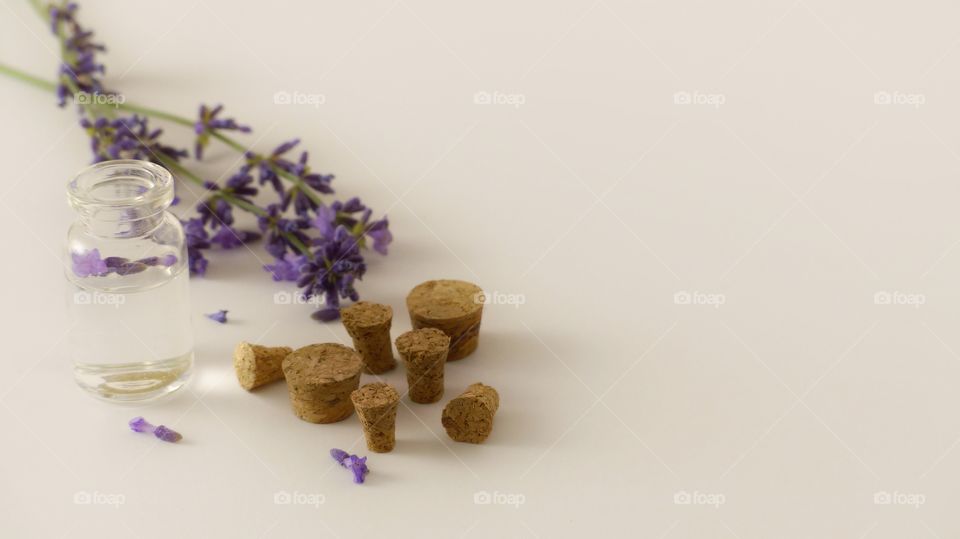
point(357, 465)
point(139, 424)
point(167, 435)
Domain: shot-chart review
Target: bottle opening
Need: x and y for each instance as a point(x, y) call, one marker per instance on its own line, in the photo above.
point(112, 185)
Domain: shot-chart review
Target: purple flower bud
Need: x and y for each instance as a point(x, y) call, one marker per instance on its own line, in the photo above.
point(167, 435)
point(219, 316)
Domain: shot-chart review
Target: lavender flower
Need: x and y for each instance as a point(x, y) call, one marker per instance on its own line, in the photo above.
point(128, 137)
point(139, 424)
point(79, 69)
point(219, 316)
point(265, 164)
point(336, 265)
point(357, 465)
point(328, 218)
point(208, 123)
point(89, 264)
point(197, 239)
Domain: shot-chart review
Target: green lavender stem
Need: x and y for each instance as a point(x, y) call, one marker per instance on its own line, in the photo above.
point(27, 78)
point(182, 171)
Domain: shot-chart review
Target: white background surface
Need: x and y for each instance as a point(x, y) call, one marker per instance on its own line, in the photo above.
point(597, 200)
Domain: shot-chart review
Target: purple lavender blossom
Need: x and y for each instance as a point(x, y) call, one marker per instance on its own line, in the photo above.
point(197, 240)
point(286, 268)
point(336, 265)
point(279, 230)
point(139, 424)
point(357, 465)
point(128, 137)
point(89, 264)
point(344, 213)
point(79, 69)
point(219, 316)
point(265, 164)
point(208, 123)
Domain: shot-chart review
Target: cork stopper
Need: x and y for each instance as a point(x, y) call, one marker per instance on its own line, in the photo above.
point(424, 352)
point(369, 326)
point(258, 365)
point(376, 406)
point(454, 307)
point(469, 417)
point(320, 378)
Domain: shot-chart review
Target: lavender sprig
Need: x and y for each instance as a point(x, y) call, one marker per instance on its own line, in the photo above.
point(315, 242)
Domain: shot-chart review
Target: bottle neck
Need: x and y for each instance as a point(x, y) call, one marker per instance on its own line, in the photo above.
point(121, 199)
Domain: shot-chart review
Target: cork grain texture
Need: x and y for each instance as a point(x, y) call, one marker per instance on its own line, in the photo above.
point(469, 417)
point(257, 365)
point(368, 325)
point(376, 406)
point(320, 378)
point(454, 307)
point(424, 352)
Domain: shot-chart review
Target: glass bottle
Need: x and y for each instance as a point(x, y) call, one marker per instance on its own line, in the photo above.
point(126, 261)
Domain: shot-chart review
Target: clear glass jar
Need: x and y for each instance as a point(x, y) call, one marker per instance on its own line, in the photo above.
point(131, 338)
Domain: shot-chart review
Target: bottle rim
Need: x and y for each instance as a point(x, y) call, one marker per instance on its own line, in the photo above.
point(121, 183)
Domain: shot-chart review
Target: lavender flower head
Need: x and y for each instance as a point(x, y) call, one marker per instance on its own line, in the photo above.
point(79, 69)
point(357, 465)
point(207, 124)
point(336, 265)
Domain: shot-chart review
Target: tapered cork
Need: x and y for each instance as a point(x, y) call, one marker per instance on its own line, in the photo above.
point(453, 307)
point(469, 417)
point(424, 352)
point(257, 365)
point(376, 406)
point(369, 326)
point(320, 378)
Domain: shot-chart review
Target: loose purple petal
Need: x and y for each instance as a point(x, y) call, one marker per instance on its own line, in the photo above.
point(139, 424)
point(219, 316)
point(357, 465)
